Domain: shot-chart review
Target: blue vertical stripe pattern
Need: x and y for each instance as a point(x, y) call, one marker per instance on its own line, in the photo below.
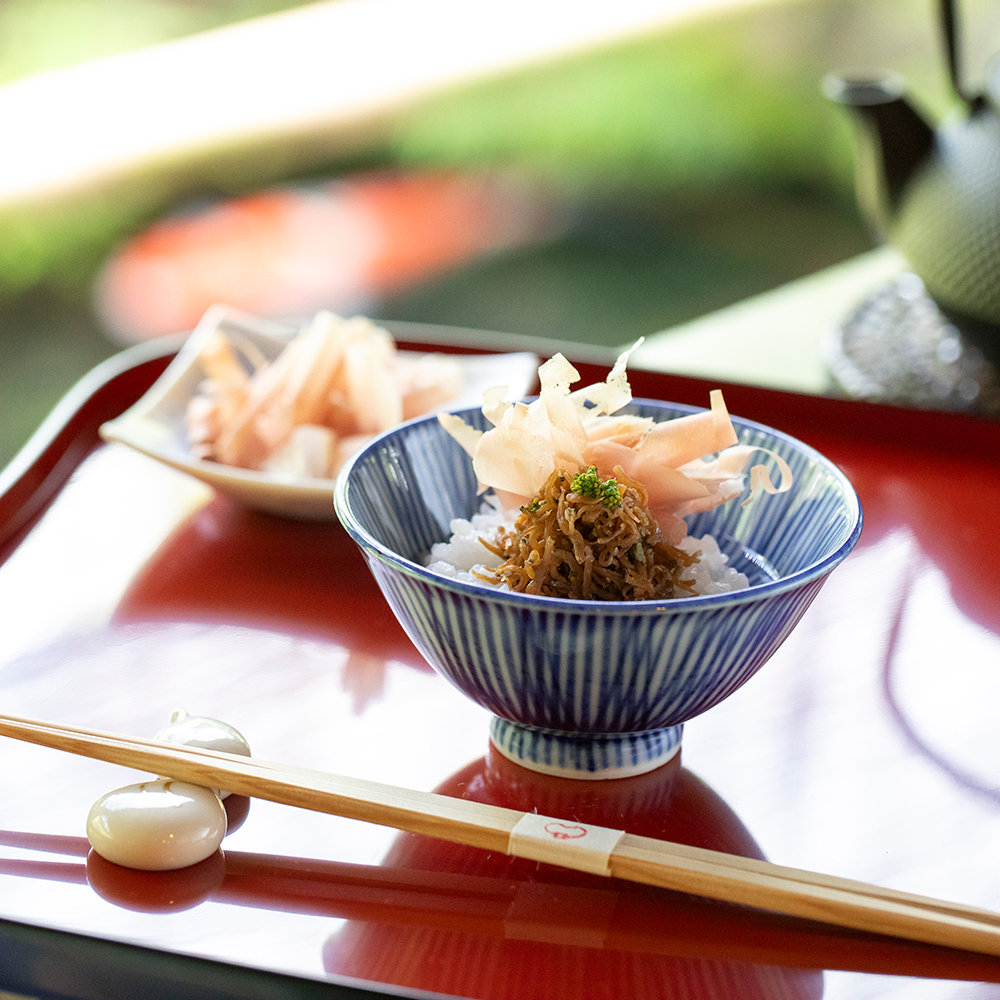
point(598, 673)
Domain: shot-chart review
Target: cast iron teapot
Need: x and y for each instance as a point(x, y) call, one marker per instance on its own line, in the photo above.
point(934, 194)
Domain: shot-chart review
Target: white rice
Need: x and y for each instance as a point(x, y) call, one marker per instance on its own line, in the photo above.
point(712, 573)
point(463, 555)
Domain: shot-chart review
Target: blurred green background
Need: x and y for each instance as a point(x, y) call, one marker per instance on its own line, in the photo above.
point(699, 166)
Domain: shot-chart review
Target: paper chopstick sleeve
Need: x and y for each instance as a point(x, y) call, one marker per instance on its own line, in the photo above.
point(544, 838)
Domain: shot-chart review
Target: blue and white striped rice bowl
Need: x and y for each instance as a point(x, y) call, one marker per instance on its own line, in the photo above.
point(593, 689)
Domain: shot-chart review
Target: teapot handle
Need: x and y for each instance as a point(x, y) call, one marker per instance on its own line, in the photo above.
point(949, 30)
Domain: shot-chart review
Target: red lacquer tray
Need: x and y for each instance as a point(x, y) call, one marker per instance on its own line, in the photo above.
point(866, 747)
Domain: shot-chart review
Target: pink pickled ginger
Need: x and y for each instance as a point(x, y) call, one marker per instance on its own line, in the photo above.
point(688, 464)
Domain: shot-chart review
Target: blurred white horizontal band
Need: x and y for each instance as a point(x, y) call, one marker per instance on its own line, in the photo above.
point(323, 69)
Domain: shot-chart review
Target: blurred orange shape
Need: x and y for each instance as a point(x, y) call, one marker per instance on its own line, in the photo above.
point(290, 251)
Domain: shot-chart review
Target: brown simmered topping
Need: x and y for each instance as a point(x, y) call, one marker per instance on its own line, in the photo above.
point(588, 539)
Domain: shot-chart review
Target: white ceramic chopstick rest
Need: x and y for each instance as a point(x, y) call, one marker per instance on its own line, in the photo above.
point(157, 825)
point(202, 731)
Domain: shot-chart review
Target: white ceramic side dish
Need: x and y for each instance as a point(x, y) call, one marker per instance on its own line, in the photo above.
point(155, 424)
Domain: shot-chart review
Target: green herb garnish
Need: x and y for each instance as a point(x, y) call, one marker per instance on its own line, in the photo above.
point(590, 484)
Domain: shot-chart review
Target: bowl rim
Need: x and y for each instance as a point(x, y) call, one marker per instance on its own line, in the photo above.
point(676, 605)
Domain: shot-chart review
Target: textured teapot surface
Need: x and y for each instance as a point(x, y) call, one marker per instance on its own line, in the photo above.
point(935, 193)
point(947, 220)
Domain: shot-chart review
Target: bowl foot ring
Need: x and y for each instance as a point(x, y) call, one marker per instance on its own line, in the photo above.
point(586, 756)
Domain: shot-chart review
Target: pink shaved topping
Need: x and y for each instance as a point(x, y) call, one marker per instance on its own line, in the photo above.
point(574, 430)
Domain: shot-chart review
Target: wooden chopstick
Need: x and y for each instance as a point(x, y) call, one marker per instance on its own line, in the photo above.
point(795, 892)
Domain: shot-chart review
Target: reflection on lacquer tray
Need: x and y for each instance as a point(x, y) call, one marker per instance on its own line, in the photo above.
point(940, 681)
point(231, 565)
point(227, 563)
point(942, 505)
point(943, 627)
point(439, 917)
point(142, 891)
point(554, 933)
